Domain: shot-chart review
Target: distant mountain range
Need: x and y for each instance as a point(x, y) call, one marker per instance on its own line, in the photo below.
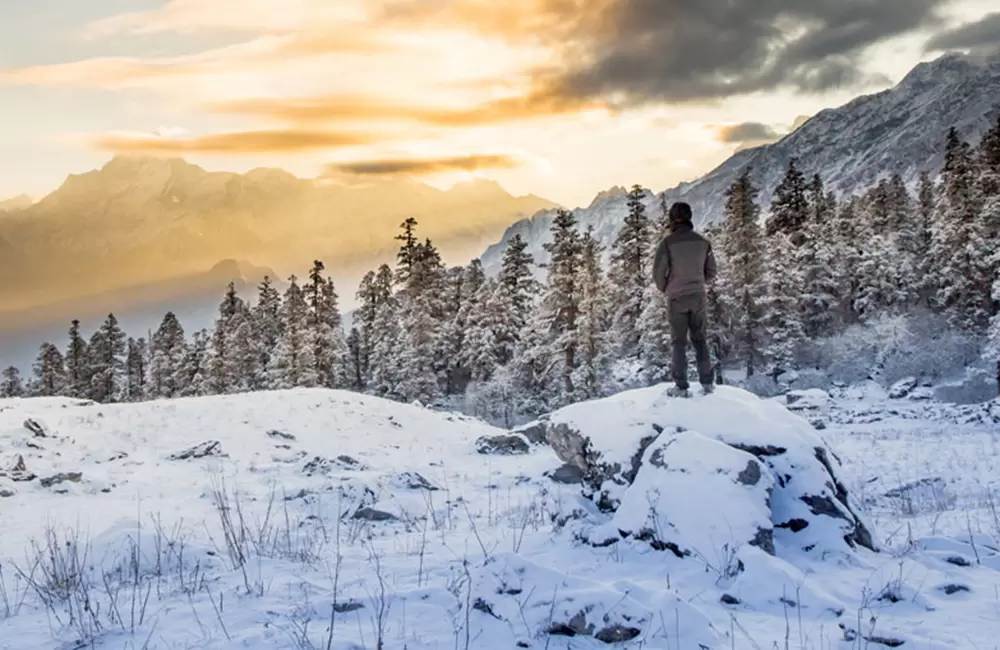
point(898, 130)
point(139, 220)
point(16, 203)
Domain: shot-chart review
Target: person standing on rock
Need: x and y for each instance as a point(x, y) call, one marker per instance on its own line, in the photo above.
point(683, 266)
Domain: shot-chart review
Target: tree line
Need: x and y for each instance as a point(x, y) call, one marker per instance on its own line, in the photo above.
point(513, 345)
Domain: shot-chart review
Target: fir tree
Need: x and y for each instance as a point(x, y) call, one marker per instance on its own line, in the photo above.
point(355, 364)
point(224, 369)
point(464, 306)
point(293, 363)
point(782, 320)
point(10, 383)
point(629, 274)
point(408, 250)
point(107, 351)
point(265, 323)
point(516, 293)
point(488, 345)
point(374, 291)
point(50, 372)
point(560, 306)
point(330, 346)
point(195, 370)
point(789, 207)
point(422, 308)
point(168, 353)
point(385, 355)
point(136, 369)
point(741, 277)
point(815, 260)
point(77, 366)
point(657, 349)
point(591, 375)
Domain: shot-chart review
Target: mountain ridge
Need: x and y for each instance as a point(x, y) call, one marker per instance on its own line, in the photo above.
point(901, 129)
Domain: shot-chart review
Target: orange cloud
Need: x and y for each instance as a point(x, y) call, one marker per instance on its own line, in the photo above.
point(423, 166)
point(240, 142)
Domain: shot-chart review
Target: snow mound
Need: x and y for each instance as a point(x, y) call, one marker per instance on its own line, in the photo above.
point(706, 475)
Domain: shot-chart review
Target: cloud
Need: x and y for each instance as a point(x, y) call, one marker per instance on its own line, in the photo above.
point(424, 166)
point(240, 142)
point(337, 108)
point(647, 51)
point(982, 35)
point(747, 132)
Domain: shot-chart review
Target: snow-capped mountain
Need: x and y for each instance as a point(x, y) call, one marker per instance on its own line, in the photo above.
point(901, 129)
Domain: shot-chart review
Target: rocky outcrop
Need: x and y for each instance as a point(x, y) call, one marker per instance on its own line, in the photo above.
point(503, 445)
point(683, 474)
point(201, 450)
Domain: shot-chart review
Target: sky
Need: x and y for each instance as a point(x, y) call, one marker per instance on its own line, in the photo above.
point(560, 98)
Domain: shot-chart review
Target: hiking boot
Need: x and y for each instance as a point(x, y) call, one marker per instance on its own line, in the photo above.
point(708, 389)
point(676, 391)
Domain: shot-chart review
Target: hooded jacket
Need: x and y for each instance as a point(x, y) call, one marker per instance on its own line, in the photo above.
point(684, 263)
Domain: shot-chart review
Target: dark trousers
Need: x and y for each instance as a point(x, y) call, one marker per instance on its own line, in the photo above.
point(688, 317)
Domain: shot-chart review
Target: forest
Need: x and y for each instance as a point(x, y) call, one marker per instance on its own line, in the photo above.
point(888, 283)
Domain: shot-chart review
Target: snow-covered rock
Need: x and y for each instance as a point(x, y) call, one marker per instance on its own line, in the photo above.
point(747, 466)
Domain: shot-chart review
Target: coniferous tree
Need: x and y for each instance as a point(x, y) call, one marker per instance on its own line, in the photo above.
point(293, 364)
point(560, 306)
point(77, 366)
point(224, 368)
point(594, 366)
point(10, 383)
point(657, 349)
point(741, 280)
point(782, 319)
point(515, 296)
point(464, 304)
point(49, 372)
point(106, 353)
point(355, 368)
point(422, 307)
point(327, 328)
point(408, 250)
point(136, 369)
point(789, 207)
point(815, 260)
point(168, 354)
point(195, 371)
point(385, 356)
point(265, 323)
point(963, 288)
point(629, 274)
point(486, 346)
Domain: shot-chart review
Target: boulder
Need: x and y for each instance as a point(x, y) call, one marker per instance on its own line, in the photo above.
point(764, 471)
point(37, 428)
point(371, 514)
point(61, 477)
point(201, 450)
point(903, 388)
point(413, 481)
point(511, 444)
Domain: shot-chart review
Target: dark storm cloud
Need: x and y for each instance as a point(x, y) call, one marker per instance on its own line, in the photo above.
point(704, 49)
point(676, 50)
point(747, 132)
point(979, 36)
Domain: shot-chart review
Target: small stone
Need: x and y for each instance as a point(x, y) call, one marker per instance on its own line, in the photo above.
point(727, 599)
point(274, 433)
point(954, 589)
point(37, 429)
point(617, 634)
point(371, 514)
point(7, 492)
point(751, 474)
point(566, 474)
point(62, 477)
point(202, 450)
point(503, 445)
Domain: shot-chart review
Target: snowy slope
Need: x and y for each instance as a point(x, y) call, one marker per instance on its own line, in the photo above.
point(901, 129)
point(390, 517)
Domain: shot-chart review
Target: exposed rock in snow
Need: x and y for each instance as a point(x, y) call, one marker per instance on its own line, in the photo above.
point(503, 445)
point(201, 450)
point(903, 387)
point(639, 450)
point(38, 429)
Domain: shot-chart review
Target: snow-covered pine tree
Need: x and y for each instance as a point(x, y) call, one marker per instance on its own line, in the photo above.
point(329, 347)
point(195, 371)
point(488, 320)
point(629, 275)
point(265, 323)
point(462, 309)
point(913, 241)
point(516, 294)
point(741, 277)
point(422, 311)
point(10, 382)
point(77, 366)
point(989, 221)
point(168, 353)
point(107, 351)
point(353, 362)
point(293, 363)
point(408, 251)
point(531, 369)
point(963, 288)
point(560, 306)
point(222, 366)
point(781, 321)
point(49, 372)
point(591, 376)
point(136, 369)
point(657, 349)
point(815, 261)
point(789, 207)
point(385, 355)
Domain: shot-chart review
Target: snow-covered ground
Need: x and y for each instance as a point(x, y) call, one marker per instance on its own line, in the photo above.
point(412, 529)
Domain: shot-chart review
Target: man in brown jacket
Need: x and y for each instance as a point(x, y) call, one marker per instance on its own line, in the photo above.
point(683, 266)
